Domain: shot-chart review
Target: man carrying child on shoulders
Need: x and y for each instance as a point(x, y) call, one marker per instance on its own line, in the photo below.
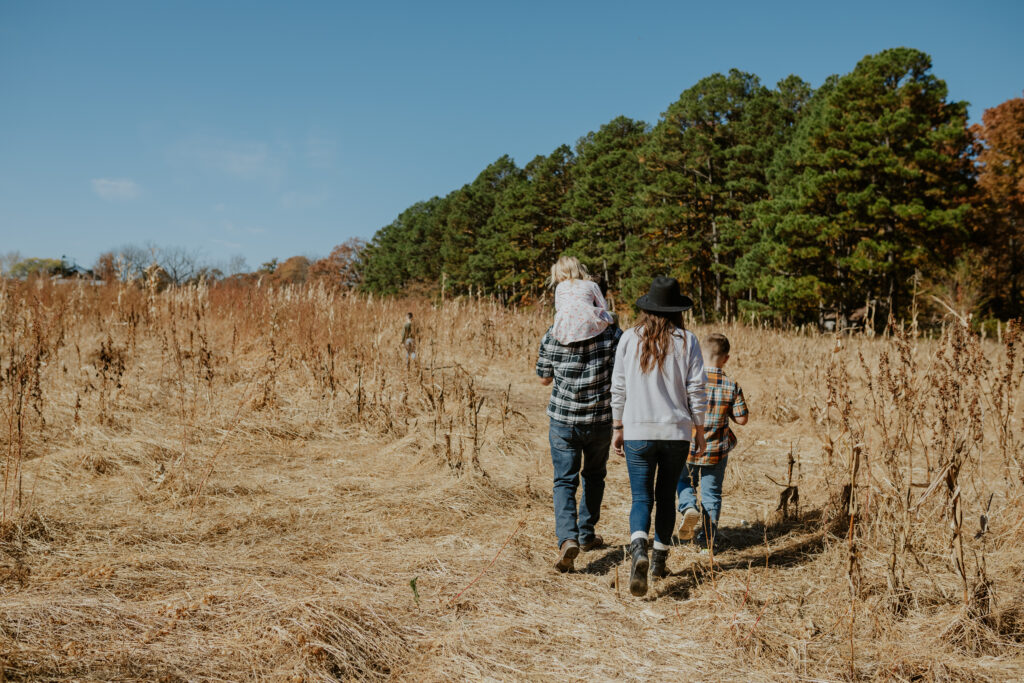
point(576, 356)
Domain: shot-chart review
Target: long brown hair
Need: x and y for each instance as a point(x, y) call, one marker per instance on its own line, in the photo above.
point(655, 331)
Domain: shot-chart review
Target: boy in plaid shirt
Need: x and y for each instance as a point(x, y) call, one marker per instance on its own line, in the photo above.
point(706, 470)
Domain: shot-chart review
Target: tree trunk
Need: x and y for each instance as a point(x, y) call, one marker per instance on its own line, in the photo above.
point(718, 273)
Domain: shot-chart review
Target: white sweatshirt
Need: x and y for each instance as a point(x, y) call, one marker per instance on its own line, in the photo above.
point(659, 406)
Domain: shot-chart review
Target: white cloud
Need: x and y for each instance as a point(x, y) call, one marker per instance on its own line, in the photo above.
point(302, 200)
point(226, 243)
point(243, 160)
point(233, 229)
point(116, 189)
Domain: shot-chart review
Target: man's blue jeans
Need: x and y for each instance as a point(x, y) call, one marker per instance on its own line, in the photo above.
point(577, 449)
point(654, 468)
point(709, 479)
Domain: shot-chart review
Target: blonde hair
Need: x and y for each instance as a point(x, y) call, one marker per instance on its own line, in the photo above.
point(567, 268)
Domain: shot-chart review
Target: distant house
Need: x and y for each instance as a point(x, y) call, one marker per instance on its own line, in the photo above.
point(73, 273)
point(75, 270)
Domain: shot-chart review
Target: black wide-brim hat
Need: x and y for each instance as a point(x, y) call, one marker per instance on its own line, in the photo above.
point(664, 297)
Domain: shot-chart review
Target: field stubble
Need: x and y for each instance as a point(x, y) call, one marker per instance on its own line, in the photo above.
point(225, 484)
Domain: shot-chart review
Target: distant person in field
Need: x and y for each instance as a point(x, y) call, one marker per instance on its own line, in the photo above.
point(658, 405)
point(409, 337)
point(580, 309)
point(706, 471)
point(580, 430)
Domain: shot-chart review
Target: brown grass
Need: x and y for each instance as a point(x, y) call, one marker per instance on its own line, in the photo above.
point(250, 484)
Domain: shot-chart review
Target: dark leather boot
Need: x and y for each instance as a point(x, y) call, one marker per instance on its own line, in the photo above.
point(638, 571)
point(658, 560)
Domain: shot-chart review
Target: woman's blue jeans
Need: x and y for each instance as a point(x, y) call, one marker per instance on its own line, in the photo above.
point(654, 468)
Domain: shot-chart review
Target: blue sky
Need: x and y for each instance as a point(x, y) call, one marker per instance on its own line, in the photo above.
point(274, 129)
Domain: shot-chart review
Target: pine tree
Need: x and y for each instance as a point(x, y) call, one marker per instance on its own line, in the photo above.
point(407, 249)
point(603, 201)
point(526, 227)
point(469, 209)
point(706, 162)
point(871, 189)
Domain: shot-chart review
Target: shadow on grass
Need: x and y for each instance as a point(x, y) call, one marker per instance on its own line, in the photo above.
point(761, 533)
point(610, 556)
point(806, 530)
point(798, 550)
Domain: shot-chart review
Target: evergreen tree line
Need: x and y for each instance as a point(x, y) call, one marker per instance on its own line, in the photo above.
point(788, 202)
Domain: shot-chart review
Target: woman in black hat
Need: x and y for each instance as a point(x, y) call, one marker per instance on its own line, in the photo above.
point(658, 405)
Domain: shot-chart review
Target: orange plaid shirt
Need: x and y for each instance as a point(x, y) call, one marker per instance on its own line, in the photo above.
point(725, 400)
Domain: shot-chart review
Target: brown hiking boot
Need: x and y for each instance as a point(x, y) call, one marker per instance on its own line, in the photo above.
point(566, 554)
point(595, 542)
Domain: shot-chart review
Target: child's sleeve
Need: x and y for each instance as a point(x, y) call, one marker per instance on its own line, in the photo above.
point(739, 406)
point(598, 297)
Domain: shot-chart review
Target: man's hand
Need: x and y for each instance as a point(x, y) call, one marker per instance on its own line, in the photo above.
point(546, 380)
point(700, 445)
point(618, 440)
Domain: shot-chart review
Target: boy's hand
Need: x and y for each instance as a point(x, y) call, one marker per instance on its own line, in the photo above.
point(699, 444)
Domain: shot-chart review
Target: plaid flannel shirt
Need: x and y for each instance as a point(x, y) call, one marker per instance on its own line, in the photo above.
point(582, 371)
point(725, 400)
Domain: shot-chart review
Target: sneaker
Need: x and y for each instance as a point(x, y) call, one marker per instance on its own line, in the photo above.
point(688, 524)
point(595, 542)
point(566, 554)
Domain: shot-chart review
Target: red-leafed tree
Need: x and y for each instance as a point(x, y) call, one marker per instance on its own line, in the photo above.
point(1000, 164)
point(292, 272)
point(342, 267)
point(106, 267)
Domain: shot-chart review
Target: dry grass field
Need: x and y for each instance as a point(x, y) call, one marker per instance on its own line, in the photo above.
point(253, 484)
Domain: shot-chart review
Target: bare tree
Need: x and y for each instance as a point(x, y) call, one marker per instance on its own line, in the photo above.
point(180, 264)
point(131, 261)
point(208, 273)
point(237, 265)
point(8, 260)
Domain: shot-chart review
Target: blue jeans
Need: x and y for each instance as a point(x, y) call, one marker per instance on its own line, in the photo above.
point(577, 449)
point(709, 479)
point(654, 468)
